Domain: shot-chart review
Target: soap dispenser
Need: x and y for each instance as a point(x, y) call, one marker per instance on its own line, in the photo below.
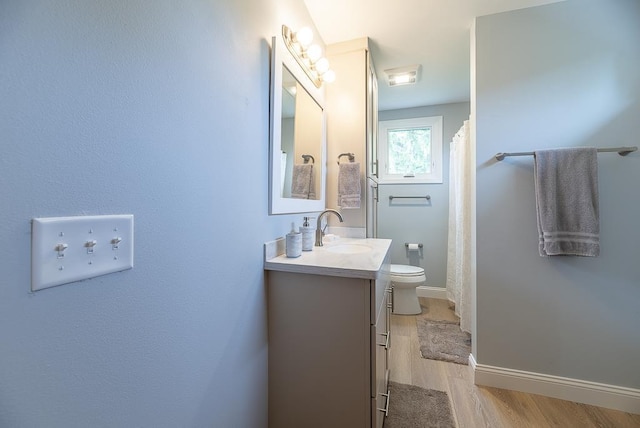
point(294, 242)
point(308, 234)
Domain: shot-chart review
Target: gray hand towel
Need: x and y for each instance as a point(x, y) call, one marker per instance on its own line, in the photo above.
point(566, 183)
point(303, 182)
point(349, 185)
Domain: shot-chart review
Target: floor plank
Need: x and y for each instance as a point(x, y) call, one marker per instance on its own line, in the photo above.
point(400, 359)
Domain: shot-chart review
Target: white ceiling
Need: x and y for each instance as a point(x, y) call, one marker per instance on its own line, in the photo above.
point(432, 33)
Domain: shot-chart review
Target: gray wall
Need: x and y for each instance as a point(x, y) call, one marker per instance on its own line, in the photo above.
point(417, 220)
point(158, 108)
point(560, 75)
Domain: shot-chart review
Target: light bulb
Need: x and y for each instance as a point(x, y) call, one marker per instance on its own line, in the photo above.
point(402, 79)
point(322, 65)
point(314, 52)
point(329, 76)
point(304, 36)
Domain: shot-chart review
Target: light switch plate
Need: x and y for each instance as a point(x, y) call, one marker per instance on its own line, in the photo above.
point(69, 249)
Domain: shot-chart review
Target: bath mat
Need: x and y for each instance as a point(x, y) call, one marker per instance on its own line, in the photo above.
point(443, 340)
point(415, 407)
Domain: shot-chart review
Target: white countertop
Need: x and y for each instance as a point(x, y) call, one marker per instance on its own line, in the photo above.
point(322, 261)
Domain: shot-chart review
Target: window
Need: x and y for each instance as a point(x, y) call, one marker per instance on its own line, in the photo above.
point(410, 150)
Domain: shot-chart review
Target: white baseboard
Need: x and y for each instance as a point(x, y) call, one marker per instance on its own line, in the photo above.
point(431, 292)
point(580, 391)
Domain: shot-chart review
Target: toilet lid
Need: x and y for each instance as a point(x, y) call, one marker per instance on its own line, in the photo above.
point(406, 270)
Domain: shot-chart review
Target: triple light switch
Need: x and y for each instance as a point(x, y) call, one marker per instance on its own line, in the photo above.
point(69, 249)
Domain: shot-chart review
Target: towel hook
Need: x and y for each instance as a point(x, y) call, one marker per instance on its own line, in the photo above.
point(306, 158)
point(351, 156)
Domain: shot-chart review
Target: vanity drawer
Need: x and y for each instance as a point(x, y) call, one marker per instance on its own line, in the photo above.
point(380, 344)
point(381, 341)
point(379, 288)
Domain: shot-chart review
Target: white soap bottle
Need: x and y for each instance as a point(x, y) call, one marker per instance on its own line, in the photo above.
point(294, 242)
point(308, 235)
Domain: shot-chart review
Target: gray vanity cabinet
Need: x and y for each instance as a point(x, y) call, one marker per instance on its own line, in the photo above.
point(328, 350)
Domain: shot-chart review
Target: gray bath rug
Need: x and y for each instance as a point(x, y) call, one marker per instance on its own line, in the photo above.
point(443, 340)
point(415, 407)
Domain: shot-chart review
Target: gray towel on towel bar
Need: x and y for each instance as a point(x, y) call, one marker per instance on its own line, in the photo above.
point(566, 184)
point(349, 185)
point(303, 182)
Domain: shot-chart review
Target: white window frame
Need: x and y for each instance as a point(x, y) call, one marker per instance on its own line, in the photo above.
point(433, 122)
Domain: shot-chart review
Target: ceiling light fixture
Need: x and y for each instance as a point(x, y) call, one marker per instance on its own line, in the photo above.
point(402, 75)
point(308, 55)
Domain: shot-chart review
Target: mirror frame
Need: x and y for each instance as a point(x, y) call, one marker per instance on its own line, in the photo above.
point(281, 57)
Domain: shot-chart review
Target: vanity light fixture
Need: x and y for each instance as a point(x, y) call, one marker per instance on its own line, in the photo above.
point(402, 75)
point(308, 55)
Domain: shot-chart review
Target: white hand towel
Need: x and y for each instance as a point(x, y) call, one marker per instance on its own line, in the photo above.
point(566, 183)
point(303, 182)
point(349, 185)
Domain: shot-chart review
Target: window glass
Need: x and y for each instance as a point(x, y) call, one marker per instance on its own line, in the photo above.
point(411, 150)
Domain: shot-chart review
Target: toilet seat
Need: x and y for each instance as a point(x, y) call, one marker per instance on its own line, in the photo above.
point(407, 274)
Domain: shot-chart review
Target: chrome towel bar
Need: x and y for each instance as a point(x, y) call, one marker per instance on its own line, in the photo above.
point(622, 151)
point(427, 197)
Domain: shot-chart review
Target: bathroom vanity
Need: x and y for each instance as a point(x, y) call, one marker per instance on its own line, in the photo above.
point(329, 336)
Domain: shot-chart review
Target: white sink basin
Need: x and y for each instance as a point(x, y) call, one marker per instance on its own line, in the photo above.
point(348, 249)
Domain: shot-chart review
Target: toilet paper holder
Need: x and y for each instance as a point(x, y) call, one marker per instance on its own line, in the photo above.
point(406, 244)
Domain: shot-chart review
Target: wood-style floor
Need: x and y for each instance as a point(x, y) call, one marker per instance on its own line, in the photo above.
point(478, 407)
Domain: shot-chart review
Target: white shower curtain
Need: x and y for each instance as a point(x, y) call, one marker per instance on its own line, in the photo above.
point(459, 252)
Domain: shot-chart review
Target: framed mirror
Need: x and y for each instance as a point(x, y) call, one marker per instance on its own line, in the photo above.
point(297, 143)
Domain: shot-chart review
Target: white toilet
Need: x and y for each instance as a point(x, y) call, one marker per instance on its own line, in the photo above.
point(404, 280)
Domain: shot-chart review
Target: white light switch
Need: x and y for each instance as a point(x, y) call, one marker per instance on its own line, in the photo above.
point(69, 249)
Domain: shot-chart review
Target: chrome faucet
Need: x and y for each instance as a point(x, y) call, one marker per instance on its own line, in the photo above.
point(319, 231)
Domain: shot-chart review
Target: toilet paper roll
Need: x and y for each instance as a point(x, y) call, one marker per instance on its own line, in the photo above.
point(413, 247)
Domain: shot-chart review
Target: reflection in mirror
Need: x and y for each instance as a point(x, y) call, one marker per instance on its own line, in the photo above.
point(289, 89)
point(298, 146)
point(301, 138)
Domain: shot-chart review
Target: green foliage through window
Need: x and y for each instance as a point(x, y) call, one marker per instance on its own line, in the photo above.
point(409, 151)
